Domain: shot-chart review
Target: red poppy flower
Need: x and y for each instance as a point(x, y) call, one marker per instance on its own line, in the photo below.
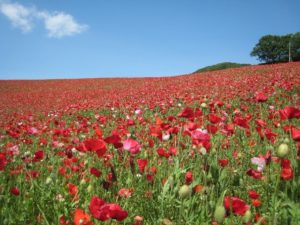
point(242, 122)
point(287, 172)
point(73, 190)
point(103, 211)
point(150, 143)
point(237, 205)
point(186, 113)
point(156, 131)
point(212, 129)
point(3, 161)
point(192, 126)
point(229, 129)
point(289, 112)
point(188, 177)
point(172, 151)
point(223, 162)
point(213, 118)
point(256, 202)
point(98, 132)
point(296, 134)
point(150, 178)
point(260, 97)
point(285, 163)
point(153, 170)
point(95, 145)
point(95, 208)
point(271, 136)
point(95, 172)
point(287, 128)
point(15, 191)
point(142, 163)
point(197, 188)
point(254, 173)
point(81, 218)
point(253, 194)
point(63, 221)
point(32, 174)
point(115, 140)
point(162, 152)
point(261, 123)
point(116, 212)
point(38, 156)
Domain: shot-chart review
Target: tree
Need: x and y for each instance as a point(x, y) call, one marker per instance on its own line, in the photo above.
point(272, 48)
point(295, 47)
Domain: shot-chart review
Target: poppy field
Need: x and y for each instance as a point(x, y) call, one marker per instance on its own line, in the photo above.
point(209, 148)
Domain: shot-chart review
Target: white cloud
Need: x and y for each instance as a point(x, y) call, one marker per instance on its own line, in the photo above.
point(57, 24)
point(60, 24)
point(20, 16)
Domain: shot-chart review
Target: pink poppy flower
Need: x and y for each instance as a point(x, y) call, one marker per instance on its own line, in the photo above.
point(260, 162)
point(132, 146)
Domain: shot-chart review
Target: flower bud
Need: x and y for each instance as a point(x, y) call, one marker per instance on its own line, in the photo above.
point(89, 188)
point(203, 105)
point(48, 180)
point(283, 150)
point(82, 182)
point(184, 191)
point(219, 214)
point(247, 216)
point(286, 140)
point(203, 151)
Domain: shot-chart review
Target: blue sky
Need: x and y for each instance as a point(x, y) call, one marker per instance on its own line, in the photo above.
point(76, 39)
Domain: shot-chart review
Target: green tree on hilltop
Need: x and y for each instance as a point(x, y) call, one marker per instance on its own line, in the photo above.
point(275, 48)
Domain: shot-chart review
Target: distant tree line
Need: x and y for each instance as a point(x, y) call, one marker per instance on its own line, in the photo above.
point(275, 48)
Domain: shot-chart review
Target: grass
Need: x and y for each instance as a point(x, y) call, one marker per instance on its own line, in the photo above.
point(221, 66)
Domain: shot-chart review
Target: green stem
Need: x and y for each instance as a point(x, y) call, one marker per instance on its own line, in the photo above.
point(274, 199)
point(44, 216)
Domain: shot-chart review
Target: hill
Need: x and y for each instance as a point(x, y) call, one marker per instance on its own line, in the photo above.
point(221, 66)
point(67, 94)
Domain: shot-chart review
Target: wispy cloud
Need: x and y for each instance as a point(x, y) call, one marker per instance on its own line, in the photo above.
point(19, 16)
point(57, 24)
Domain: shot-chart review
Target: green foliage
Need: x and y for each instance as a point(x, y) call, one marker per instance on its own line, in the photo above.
point(221, 66)
point(275, 48)
point(295, 46)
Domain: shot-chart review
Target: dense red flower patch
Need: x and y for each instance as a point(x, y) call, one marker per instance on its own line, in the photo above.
point(64, 95)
